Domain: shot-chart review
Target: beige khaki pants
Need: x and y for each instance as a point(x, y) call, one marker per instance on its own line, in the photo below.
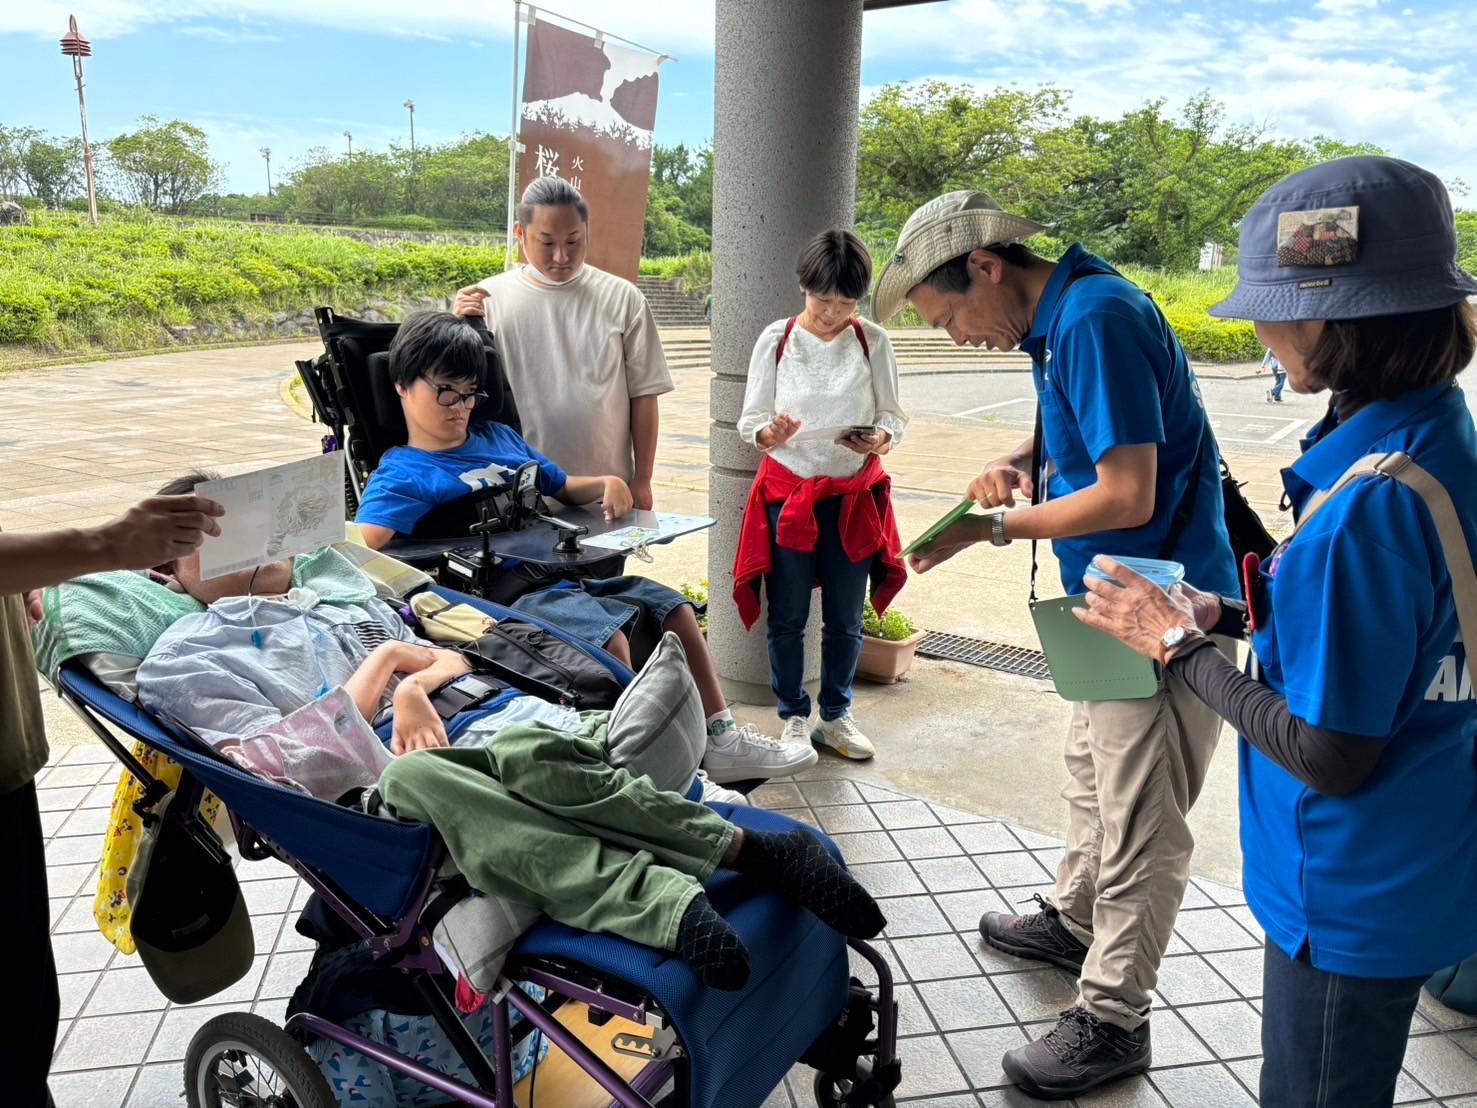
point(1136, 768)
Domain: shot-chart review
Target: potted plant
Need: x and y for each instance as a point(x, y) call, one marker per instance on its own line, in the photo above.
point(698, 594)
point(888, 645)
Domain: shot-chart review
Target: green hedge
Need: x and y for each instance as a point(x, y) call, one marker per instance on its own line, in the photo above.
point(69, 286)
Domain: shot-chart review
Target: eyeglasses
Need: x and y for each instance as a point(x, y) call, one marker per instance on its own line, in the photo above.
point(449, 397)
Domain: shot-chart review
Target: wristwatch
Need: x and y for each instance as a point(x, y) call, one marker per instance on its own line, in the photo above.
point(1172, 639)
point(997, 530)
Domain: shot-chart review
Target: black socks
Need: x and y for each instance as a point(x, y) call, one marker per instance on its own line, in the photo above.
point(797, 865)
point(711, 947)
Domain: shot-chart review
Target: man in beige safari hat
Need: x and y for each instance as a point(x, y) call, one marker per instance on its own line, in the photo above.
point(1133, 472)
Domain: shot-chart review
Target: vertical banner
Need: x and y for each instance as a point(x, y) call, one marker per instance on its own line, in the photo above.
point(589, 108)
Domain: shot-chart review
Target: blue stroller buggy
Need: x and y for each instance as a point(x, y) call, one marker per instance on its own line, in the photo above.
point(711, 1049)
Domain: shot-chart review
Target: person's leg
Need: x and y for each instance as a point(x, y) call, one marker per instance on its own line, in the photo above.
point(511, 847)
point(542, 818)
point(787, 589)
point(619, 648)
point(1149, 760)
point(843, 592)
point(1278, 381)
point(1061, 931)
point(682, 622)
point(26, 932)
point(1330, 1041)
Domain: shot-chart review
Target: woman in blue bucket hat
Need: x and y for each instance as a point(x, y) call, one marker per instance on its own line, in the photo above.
point(1356, 713)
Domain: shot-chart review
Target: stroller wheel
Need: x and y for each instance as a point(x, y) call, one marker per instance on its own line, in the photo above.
point(243, 1061)
point(857, 1091)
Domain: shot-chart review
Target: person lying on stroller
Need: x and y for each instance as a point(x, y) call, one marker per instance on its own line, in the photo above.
point(437, 363)
point(526, 801)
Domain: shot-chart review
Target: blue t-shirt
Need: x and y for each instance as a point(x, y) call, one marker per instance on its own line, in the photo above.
point(1363, 638)
point(409, 482)
point(1109, 372)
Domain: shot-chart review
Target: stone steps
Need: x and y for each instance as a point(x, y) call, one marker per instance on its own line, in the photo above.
point(669, 305)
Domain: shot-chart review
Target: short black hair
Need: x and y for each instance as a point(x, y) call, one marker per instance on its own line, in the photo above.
point(953, 275)
point(551, 192)
point(1385, 356)
point(437, 342)
point(835, 261)
point(188, 482)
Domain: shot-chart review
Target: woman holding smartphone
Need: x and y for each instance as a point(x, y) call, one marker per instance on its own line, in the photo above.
point(822, 404)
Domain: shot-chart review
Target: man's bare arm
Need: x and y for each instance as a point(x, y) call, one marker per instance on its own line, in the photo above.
point(151, 533)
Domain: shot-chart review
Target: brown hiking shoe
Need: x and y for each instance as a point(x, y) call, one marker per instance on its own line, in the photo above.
point(1080, 1053)
point(1040, 936)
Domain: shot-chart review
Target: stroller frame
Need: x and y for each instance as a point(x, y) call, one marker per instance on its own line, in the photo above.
point(406, 943)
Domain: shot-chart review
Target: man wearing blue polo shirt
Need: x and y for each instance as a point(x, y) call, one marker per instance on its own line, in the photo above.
point(1134, 473)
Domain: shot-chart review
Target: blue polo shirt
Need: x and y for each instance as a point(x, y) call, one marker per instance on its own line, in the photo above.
point(1363, 638)
point(409, 482)
point(1109, 372)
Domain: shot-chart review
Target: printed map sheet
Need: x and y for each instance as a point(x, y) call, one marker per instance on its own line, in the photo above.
point(275, 513)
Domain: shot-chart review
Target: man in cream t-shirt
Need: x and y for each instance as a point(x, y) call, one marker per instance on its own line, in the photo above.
point(579, 345)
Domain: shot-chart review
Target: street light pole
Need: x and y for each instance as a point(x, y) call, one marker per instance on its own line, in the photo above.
point(266, 153)
point(350, 137)
point(76, 47)
point(410, 106)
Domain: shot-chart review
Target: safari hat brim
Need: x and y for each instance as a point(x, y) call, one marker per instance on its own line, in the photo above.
point(944, 228)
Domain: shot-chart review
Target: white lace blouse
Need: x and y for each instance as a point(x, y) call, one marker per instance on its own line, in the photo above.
point(822, 384)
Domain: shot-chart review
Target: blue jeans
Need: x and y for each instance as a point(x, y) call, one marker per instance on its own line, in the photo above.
point(1279, 379)
point(1331, 1041)
point(792, 575)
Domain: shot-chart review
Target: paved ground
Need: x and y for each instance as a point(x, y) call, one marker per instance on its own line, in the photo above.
point(78, 442)
point(936, 869)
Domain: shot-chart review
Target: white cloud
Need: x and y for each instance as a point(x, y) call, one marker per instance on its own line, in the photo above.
point(1405, 84)
point(1346, 7)
point(225, 34)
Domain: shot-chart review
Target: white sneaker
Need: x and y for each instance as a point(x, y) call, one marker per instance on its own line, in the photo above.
point(796, 732)
point(741, 752)
point(712, 792)
point(844, 737)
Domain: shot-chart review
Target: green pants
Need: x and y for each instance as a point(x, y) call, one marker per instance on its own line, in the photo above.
point(538, 816)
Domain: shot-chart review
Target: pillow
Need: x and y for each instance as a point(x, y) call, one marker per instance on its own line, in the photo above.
point(657, 727)
point(119, 615)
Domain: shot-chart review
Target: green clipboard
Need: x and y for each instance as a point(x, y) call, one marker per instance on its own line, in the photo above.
point(952, 516)
point(1087, 664)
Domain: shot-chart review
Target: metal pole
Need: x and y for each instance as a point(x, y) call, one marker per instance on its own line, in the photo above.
point(86, 146)
point(513, 139)
point(267, 156)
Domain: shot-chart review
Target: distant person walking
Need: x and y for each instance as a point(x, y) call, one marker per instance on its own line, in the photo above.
point(1279, 377)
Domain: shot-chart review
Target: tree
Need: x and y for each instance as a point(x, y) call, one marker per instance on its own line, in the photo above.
point(918, 141)
point(1466, 240)
point(164, 166)
point(51, 168)
point(679, 203)
point(13, 143)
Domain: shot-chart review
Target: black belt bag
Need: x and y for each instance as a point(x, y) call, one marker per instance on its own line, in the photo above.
point(536, 661)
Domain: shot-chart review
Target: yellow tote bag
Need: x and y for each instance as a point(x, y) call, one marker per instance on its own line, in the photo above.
point(110, 908)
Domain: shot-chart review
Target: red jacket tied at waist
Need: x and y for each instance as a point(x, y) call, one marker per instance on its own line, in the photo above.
point(867, 528)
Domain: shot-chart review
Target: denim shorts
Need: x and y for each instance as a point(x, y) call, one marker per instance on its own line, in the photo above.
point(594, 610)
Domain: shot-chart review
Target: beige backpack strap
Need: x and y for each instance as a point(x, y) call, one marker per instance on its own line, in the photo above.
point(1453, 543)
point(1454, 546)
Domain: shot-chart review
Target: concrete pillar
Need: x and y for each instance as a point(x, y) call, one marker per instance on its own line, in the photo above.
point(785, 134)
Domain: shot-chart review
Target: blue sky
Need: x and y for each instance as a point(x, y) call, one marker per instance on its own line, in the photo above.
point(292, 74)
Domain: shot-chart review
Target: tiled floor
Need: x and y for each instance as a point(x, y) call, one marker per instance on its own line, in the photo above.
point(962, 1004)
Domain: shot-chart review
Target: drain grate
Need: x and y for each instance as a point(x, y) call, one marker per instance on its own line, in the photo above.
point(980, 652)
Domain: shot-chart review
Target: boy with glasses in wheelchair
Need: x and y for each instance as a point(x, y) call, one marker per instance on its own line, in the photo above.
point(437, 363)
